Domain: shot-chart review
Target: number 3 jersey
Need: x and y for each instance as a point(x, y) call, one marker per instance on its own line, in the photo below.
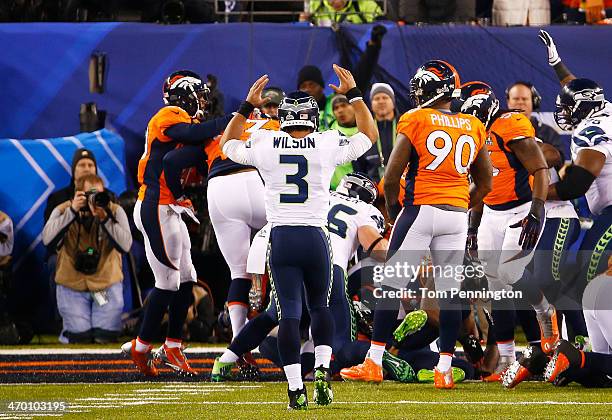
point(346, 215)
point(595, 133)
point(444, 145)
point(297, 171)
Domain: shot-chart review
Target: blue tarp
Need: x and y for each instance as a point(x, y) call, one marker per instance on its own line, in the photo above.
point(44, 66)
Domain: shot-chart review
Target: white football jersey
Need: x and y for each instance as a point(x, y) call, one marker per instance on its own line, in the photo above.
point(595, 133)
point(297, 172)
point(346, 215)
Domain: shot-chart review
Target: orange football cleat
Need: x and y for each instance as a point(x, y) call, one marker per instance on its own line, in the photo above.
point(368, 371)
point(174, 358)
point(444, 380)
point(549, 329)
point(142, 360)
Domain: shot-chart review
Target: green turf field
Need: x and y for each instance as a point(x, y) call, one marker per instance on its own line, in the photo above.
point(268, 401)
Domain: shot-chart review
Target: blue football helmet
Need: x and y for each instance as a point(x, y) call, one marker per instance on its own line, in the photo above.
point(434, 81)
point(578, 99)
point(186, 90)
point(477, 99)
point(298, 109)
point(359, 186)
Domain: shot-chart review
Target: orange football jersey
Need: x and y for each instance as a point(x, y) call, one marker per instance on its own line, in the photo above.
point(219, 163)
point(511, 183)
point(444, 145)
point(150, 170)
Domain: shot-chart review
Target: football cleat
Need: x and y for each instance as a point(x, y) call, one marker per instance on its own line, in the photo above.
point(368, 371)
point(398, 369)
point(443, 380)
point(427, 376)
point(222, 371)
point(174, 358)
point(249, 371)
point(323, 394)
point(143, 361)
point(549, 329)
point(566, 356)
point(502, 364)
point(412, 323)
point(530, 365)
point(298, 400)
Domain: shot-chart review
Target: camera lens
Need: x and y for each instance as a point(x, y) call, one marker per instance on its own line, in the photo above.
point(100, 199)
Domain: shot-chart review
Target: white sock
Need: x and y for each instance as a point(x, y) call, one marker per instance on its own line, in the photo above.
point(507, 349)
point(142, 346)
point(294, 376)
point(238, 317)
point(307, 347)
point(444, 363)
point(173, 343)
point(322, 356)
point(376, 353)
point(228, 356)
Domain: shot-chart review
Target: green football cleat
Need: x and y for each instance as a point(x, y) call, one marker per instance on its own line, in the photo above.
point(323, 394)
point(412, 323)
point(427, 375)
point(298, 400)
point(221, 372)
point(398, 369)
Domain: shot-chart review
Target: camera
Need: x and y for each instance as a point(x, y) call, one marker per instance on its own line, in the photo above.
point(87, 261)
point(97, 199)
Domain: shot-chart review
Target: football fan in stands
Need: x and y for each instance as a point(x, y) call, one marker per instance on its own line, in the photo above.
point(91, 233)
point(382, 103)
point(328, 12)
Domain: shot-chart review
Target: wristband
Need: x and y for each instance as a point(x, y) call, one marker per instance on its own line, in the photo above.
point(245, 109)
point(353, 95)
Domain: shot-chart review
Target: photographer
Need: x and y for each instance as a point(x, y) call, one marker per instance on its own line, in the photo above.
point(91, 233)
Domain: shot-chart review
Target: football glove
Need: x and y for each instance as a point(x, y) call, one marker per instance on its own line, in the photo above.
point(531, 227)
point(553, 55)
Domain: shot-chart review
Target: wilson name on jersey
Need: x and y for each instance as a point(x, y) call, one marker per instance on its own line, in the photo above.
point(595, 133)
point(218, 163)
point(297, 172)
point(511, 183)
point(444, 145)
point(151, 177)
point(346, 215)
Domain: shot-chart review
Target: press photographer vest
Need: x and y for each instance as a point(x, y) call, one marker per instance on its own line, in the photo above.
point(109, 268)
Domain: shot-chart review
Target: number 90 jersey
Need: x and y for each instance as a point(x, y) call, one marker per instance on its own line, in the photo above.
point(297, 171)
point(346, 215)
point(444, 145)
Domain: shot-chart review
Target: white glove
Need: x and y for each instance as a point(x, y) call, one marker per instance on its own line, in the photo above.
point(553, 55)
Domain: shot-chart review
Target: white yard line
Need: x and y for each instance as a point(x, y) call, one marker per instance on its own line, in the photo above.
point(56, 350)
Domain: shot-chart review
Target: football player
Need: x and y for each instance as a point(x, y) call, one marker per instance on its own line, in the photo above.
point(157, 214)
point(440, 148)
point(352, 220)
point(581, 108)
point(511, 204)
point(296, 165)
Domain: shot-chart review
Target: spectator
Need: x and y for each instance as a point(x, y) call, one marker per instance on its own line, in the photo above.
point(589, 11)
point(346, 123)
point(276, 95)
point(6, 239)
point(524, 96)
point(521, 12)
point(91, 233)
point(382, 100)
point(310, 80)
point(327, 12)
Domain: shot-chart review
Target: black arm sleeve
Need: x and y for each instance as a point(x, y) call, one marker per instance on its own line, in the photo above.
point(197, 133)
point(178, 159)
point(575, 183)
point(365, 66)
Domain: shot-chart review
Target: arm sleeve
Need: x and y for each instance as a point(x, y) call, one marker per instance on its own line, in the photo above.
point(178, 159)
point(349, 148)
point(240, 151)
point(57, 225)
point(197, 133)
point(6, 247)
point(119, 232)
